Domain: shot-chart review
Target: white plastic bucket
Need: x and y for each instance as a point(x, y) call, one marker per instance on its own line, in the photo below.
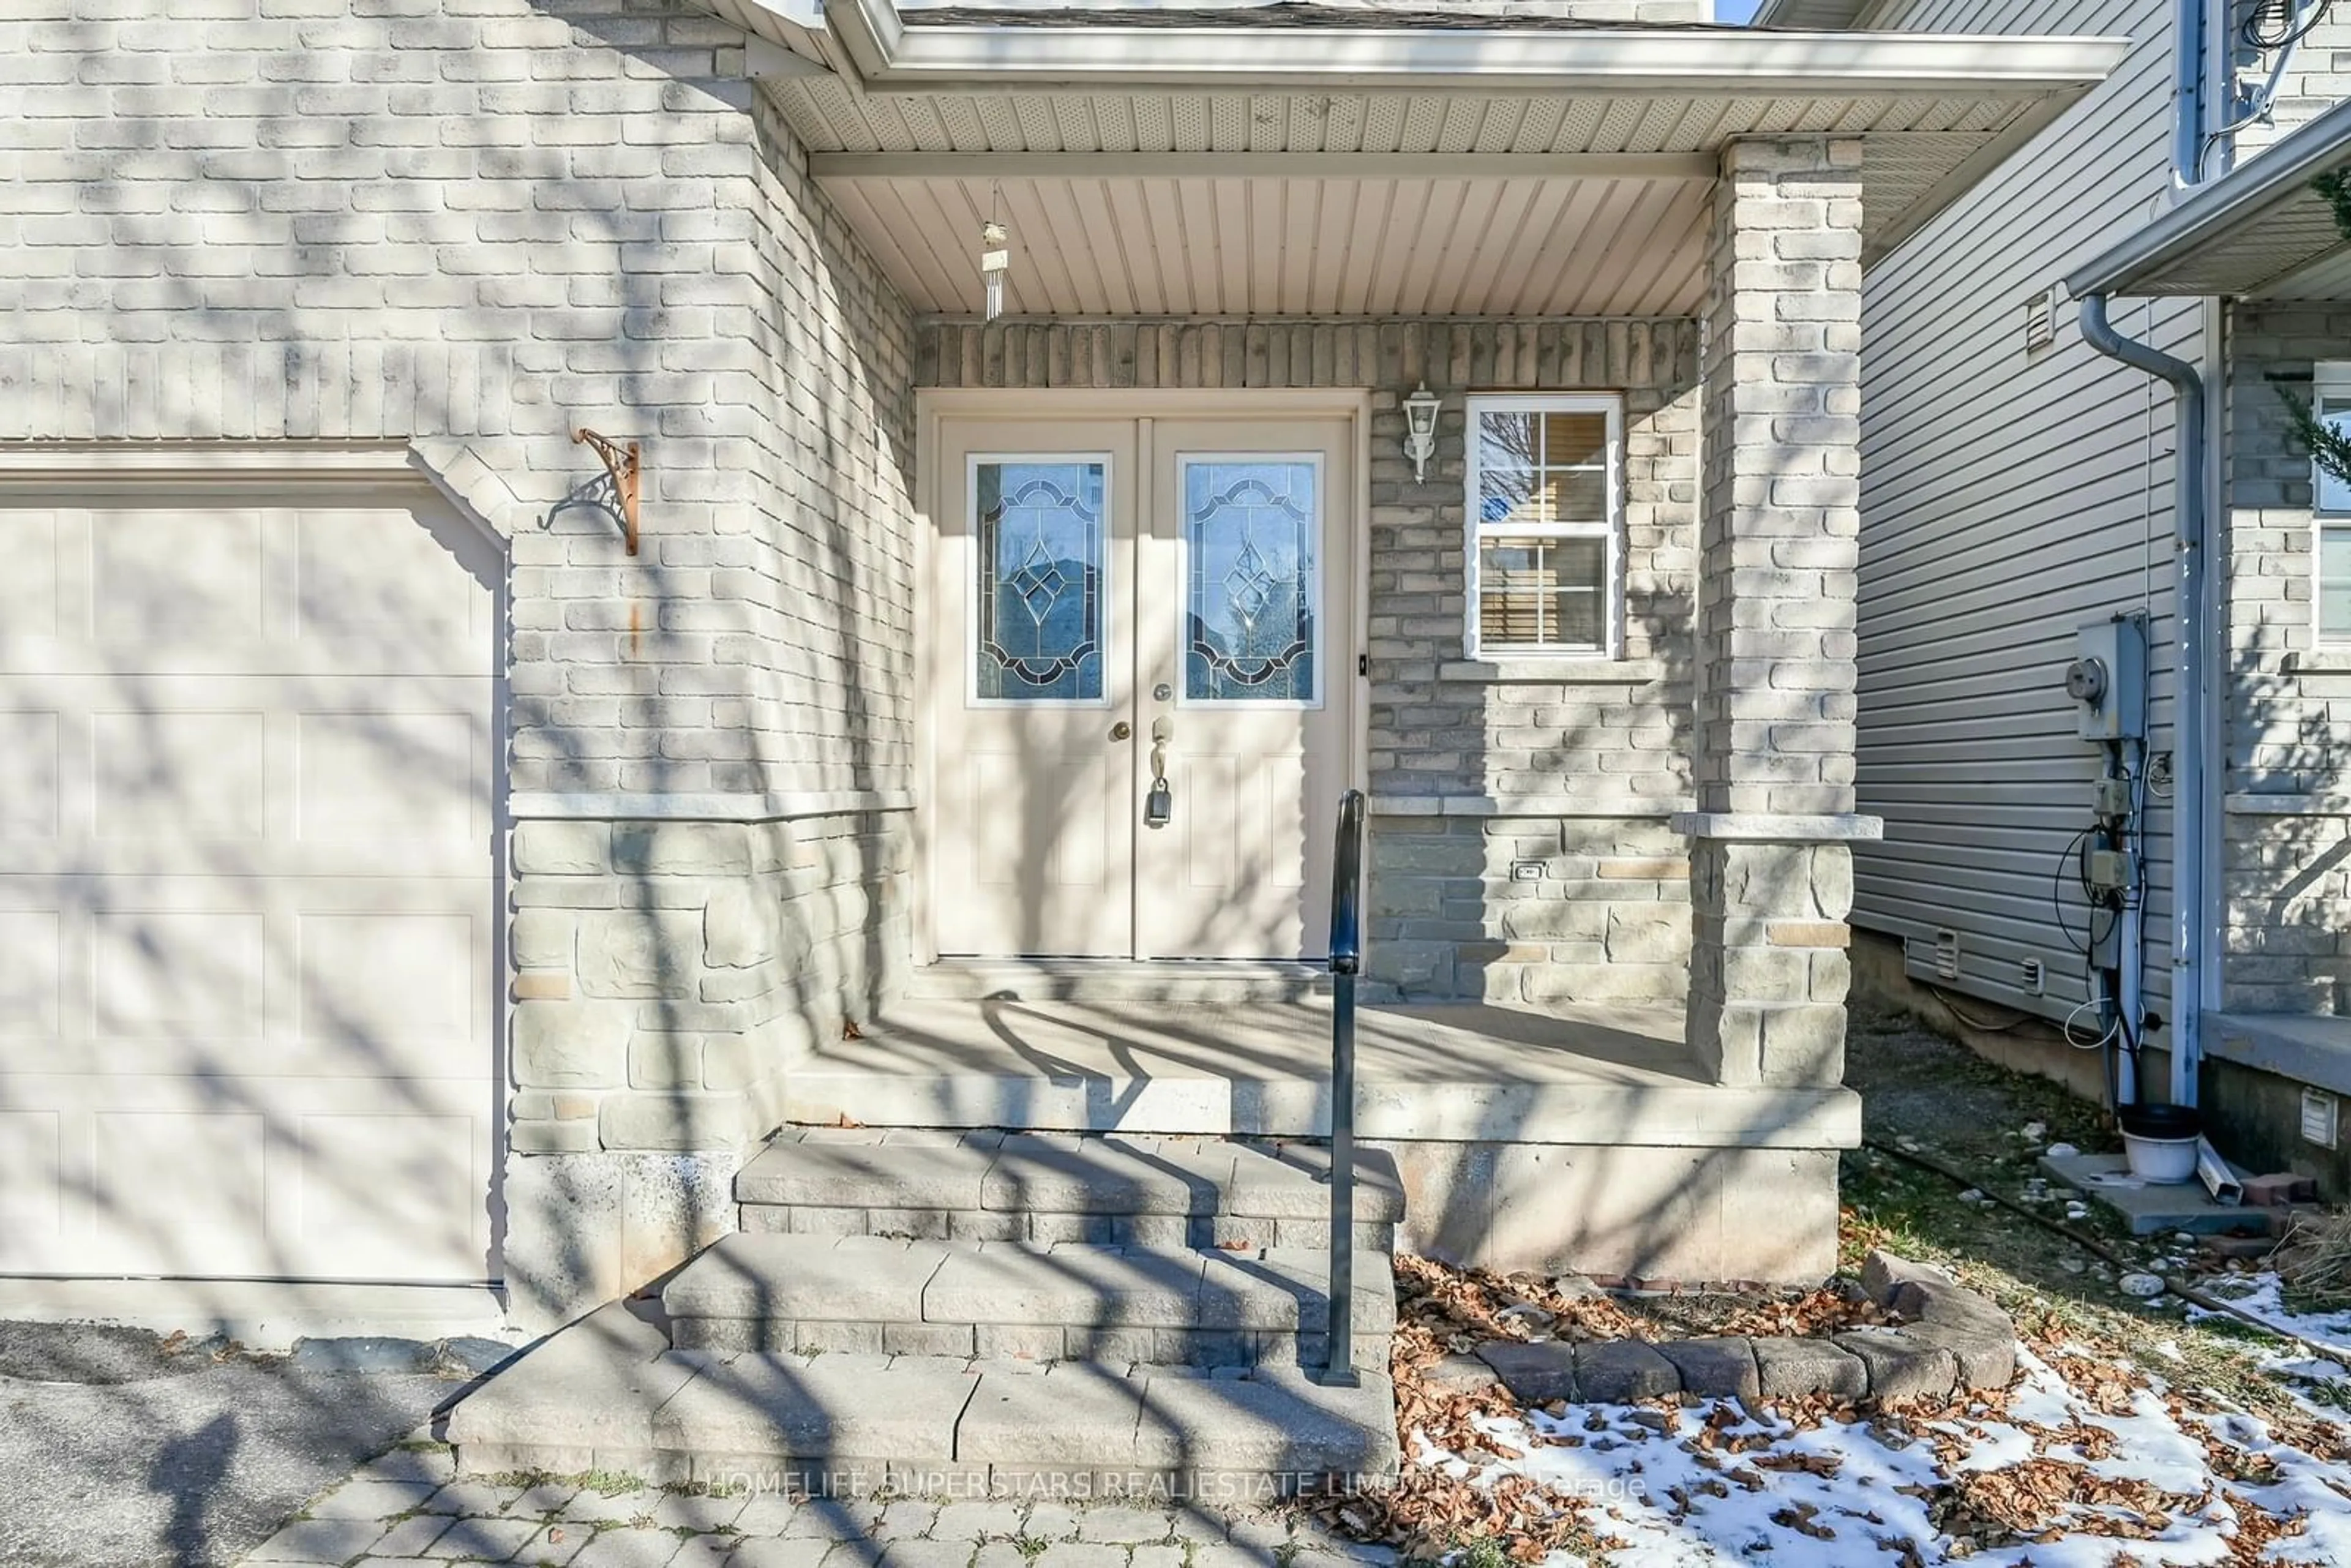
point(2160, 1160)
point(2160, 1142)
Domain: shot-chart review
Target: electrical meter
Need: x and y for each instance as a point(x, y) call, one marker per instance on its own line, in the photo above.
point(2107, 679)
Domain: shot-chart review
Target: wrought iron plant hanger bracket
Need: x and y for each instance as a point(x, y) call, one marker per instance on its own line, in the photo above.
point(624, 466)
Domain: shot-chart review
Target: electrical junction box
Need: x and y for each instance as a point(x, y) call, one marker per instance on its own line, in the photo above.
point(2111, 798)
point(2110, 870)
point(2107, 680)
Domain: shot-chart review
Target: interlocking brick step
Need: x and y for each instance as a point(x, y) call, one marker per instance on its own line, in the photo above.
point(606, 1393)
point(985, 1185)
point(1118, 1305)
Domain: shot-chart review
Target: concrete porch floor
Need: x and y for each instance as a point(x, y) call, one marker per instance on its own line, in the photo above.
point(1458, 1072)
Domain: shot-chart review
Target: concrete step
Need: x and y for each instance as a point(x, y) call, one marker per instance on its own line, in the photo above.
point(1112, 981)
point(607, 1395)
point(1044, 1188)
point(1118, 1305)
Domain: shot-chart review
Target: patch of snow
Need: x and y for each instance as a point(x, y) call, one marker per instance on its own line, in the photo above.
point(1716, 1485)
point(2263, 1296)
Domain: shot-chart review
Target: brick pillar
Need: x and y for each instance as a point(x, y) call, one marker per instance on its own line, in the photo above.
point(1771, 869)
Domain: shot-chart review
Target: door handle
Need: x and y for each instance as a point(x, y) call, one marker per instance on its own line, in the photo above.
point(1159, 806)
point(1121, 730)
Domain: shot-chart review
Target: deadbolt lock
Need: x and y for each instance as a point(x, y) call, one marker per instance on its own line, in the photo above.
point(1121, 730)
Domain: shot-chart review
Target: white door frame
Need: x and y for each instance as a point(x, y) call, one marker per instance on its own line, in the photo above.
point(937, 495)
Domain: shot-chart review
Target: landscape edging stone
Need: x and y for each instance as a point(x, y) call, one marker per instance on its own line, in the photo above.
point(1953, 1339)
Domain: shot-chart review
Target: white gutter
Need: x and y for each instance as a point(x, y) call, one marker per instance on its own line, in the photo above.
point(1701, 61)
point(2282, 173)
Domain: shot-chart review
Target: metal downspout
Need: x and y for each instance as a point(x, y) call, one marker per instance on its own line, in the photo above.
point(2190, 532)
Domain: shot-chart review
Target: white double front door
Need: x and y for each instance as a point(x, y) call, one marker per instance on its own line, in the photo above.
point(1141, 685)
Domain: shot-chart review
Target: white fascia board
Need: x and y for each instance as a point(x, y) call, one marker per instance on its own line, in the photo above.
point(1699, 61)
point(805, 15)
point(870, 34)
point(794, 24)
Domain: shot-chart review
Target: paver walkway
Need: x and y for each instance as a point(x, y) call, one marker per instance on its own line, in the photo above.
point(406, 1508)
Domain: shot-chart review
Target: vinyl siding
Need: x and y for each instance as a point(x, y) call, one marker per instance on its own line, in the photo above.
point(2008, 498)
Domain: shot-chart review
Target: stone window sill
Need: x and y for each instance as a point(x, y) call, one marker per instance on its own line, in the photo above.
point(2329, 661)
point(1570, 671)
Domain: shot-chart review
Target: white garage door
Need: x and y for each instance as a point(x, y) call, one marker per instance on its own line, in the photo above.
point(247, 894)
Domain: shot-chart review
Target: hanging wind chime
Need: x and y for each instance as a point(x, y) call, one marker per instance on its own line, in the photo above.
point(994, 260)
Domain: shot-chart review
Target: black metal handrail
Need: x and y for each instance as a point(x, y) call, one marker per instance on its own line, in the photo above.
point(1346, 963)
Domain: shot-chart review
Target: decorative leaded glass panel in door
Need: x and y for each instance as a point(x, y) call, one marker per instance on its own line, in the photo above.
point(1252, 588)
point(1042, 578)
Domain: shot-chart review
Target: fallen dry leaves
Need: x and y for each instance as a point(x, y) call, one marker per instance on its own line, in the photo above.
point(2040, 1498)
point(1466, 1308)
point(1461, 1308)
point(2057, 1492)
point(1429, 1512)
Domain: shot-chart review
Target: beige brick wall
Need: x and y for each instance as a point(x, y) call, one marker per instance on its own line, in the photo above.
point(476, 227)
point(1471, 765)
point(1780, 543)
point(2286, 868)
point(1772, 882)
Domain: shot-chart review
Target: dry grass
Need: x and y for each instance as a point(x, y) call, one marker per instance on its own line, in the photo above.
point(2314, 1261)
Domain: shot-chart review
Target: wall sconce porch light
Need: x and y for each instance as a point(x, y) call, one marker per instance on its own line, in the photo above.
point(1420, 429)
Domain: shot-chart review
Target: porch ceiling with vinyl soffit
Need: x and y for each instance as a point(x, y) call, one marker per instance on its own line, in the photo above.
point(1294, 160)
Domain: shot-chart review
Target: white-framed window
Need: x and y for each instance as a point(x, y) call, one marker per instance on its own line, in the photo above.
point(2331, 506)
point(1545, 551)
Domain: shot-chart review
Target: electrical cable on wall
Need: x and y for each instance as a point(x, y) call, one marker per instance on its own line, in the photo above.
point(1949, 1000)
point(2265, 28)
point(2071, 854)
point(2280, 23)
